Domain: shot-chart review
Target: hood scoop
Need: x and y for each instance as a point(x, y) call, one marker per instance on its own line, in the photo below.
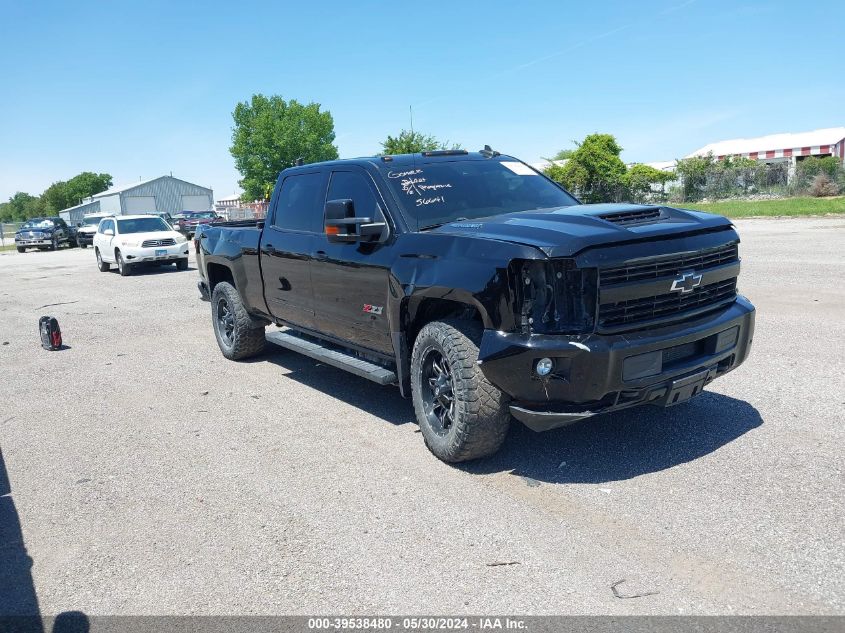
point(634, 217)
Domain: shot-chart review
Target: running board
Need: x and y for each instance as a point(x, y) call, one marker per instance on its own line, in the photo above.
point(333, 357)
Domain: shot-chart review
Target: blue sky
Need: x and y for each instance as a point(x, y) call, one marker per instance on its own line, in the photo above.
point(141, 89)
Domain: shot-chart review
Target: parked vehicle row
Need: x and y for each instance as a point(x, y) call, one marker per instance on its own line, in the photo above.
point(126, 241)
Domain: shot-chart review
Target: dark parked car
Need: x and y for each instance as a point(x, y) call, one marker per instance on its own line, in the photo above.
point(186, 223)
point(482, 289)
point(43, 233)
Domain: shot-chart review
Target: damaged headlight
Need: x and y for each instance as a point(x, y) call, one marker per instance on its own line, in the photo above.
point(556, 297)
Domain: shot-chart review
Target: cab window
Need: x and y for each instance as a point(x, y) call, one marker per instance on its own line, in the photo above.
point(300, 204)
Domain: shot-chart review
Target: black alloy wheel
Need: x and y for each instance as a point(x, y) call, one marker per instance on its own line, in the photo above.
point(225, 321)
point(438, 392)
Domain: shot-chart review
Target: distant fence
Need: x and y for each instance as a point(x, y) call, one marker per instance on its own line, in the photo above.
point(243, 213)
point(708, 179)
point(7, 232)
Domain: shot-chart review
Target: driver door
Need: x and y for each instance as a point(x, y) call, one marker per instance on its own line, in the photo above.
point(351, 278)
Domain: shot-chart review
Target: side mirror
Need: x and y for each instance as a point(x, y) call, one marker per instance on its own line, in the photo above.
point(343, 226)
point(108, 232)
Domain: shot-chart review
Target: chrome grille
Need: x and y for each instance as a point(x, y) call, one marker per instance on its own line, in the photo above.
point(168, 241)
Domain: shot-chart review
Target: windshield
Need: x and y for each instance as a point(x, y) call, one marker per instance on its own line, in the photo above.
point(93, 220)
point(142, 225)
point(38, 223)
point(436, 193)
point(203, 215)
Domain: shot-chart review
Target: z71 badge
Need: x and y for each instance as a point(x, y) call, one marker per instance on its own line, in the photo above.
point(371, 309)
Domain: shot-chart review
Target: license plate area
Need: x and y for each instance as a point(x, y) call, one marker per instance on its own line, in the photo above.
point(683, 389)
point(161, 252)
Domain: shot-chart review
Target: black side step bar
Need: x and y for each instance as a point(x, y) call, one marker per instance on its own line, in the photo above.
point(333, 357)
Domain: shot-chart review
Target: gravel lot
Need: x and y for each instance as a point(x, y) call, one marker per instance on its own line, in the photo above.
point(148, 475)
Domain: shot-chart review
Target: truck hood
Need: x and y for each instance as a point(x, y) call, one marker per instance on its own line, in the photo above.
point(565, 231)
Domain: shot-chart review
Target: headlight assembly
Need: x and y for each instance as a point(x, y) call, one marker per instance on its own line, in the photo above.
point(557, 297)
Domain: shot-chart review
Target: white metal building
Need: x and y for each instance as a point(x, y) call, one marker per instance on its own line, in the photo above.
point(164, 194)
point(781, 147)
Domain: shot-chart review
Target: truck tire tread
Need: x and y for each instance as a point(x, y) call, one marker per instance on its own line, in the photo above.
point(249, 334)
point(483, 417)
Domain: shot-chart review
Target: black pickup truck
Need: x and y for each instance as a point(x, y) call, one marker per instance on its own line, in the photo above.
point(483, 290)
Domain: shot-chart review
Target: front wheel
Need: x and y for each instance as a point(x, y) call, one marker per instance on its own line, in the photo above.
point(123, 268)
point(182, 264)
point(21, 249)
point(54, 245)
point(83, 245)
point(238, 334)
point(103, 266)
point(462, 416)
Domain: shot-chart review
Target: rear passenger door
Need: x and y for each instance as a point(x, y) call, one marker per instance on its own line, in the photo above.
point(351, 279)
point(287, 244)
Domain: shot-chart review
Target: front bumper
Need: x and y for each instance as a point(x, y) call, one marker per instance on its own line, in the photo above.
point(598, 373)
point(34, 241)
point(136, 255)
point(85, 238)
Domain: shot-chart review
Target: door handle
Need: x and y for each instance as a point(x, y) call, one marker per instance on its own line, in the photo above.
point(321, 255)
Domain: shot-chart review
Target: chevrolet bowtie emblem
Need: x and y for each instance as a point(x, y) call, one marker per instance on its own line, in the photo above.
point(687, 282)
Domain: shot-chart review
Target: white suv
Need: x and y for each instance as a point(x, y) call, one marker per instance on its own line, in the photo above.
point(129, 240)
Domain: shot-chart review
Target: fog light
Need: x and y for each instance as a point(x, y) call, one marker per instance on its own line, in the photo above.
point(544, 366)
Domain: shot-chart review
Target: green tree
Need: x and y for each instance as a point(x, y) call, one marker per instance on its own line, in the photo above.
point(55, 198)
point(640, 180)
point(594, 170)
point(86, 184)
point(22, 206)
point(693, 173)
point(270, 134)
point(564, 154)
point(63, 194)
point(409, 142)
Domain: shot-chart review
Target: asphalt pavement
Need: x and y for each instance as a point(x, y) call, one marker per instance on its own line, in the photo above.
point(142, 473)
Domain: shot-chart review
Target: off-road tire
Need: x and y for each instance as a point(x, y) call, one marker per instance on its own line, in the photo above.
point(103, 266)
point(182, 264)
point(482, 418)
point(247, 338)
point(122, 267)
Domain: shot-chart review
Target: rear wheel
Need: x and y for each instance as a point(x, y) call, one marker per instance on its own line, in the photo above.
point(462, 416)
point(123, 268)
point(103, 266)
point(182, 264)
point(238, 334)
